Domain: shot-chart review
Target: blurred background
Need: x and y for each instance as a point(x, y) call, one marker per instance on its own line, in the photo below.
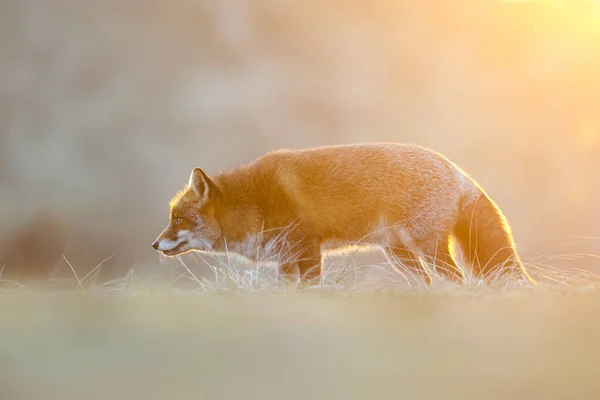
point(105, 107)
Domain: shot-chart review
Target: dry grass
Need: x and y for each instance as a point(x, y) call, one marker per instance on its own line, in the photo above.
point(365, 332)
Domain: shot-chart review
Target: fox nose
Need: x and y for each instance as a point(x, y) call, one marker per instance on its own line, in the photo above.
point(155, 245)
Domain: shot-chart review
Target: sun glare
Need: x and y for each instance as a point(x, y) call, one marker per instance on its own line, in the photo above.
point(565, 5)
point(581, 16)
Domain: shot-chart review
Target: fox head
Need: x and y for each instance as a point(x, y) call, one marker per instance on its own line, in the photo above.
point(193, 224)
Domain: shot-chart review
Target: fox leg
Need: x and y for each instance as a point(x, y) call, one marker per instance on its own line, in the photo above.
point(306, 266)
point(288, 272)
point(408, 259)
point(309, 265)
point(439, 256)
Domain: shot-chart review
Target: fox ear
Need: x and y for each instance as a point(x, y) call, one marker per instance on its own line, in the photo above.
point(202, 185)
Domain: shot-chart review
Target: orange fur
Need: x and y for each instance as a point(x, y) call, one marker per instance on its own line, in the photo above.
point(287, 204)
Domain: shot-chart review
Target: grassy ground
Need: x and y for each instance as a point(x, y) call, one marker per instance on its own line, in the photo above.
point(239, 334)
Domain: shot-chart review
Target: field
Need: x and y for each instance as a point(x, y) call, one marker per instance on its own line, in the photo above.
point(241, 334)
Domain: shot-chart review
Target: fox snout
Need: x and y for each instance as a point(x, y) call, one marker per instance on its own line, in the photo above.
point(172, 242)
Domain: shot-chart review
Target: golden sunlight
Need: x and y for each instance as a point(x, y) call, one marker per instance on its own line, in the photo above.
point(579, 16)
point(588, 132)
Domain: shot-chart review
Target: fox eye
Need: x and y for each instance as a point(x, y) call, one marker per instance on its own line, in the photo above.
point(178, 221)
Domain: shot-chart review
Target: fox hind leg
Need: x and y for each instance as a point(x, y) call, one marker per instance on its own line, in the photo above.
point(439, 256)
point(406, 257)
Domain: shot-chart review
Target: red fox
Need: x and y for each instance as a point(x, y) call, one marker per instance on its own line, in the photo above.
point(288, 205)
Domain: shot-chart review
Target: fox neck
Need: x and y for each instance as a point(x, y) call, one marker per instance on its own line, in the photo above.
point(247, 243)
point(241, 224)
